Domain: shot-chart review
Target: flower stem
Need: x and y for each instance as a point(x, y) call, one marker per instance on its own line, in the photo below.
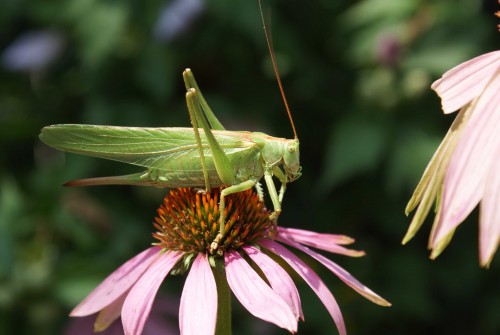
point(224, 299)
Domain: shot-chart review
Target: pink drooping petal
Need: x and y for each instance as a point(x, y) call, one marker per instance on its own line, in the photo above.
point(345, 276)
point(489, 217)
point(280, 280)
point(198, 310)
point(311, 278)
point(109, 314)
point(255, 295)
point(116, 284)
point(138, 303)
point(466, 176)
point(327, 242)
point(430, 186)
point(466, 81)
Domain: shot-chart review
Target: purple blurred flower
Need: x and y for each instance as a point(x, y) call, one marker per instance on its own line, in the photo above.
point(33, 51)
point(465, 169)
point(186, 226)
point(161, 321)
point(388, 50)
point(176, 17)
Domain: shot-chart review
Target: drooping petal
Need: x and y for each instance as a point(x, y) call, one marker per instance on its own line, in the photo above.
point(433, 175)
point(489, 217)
point(138, 303)
point(280, 280)
point(327, 242)
point(116, 284)
point(109, 314)
point(345, 276)
point(198, 310)
point(311, 278)
point(466, 81)
point(255, 295)
point(439, 247)
point(465, 180)
point(428, 198)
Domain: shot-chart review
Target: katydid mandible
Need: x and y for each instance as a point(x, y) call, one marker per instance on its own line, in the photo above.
point(206, 155)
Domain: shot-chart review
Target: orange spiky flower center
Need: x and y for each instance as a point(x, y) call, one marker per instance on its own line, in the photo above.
point(187, 220)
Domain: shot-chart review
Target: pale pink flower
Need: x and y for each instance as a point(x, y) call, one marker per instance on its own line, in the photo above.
point(465, 169)
point(186, 223)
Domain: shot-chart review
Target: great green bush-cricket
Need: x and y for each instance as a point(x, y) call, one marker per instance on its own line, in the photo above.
point(203, 156)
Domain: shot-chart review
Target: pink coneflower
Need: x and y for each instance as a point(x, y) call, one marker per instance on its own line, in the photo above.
point(465, 169)
point(187, 224)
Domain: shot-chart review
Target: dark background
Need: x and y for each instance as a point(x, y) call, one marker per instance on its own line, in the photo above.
point(357, 77)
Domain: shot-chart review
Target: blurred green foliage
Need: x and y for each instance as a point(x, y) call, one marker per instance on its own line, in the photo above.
point(357, 75)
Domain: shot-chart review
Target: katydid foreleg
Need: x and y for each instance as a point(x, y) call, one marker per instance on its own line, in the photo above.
point(268, 177)
point(282, 192)
point(260, 192)
point(283, 179)
point(275, 198)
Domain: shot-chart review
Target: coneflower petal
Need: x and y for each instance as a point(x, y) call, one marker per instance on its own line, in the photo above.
point(311, 278)
point(466, 81)
point(198, 309)
point(431, 183)
point(327, 242)
point(255, 295)
point(489, 217)
point(116, 284)
point(138, 303)
point(280, 280)
point(343, 275)
point(109, 314)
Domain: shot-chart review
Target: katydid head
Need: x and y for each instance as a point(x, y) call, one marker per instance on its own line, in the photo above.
point(280, 152)
point(291, 160)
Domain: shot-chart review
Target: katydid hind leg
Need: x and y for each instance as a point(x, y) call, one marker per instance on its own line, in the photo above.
point(137, 179)
point(190, 82)
point(222, 163)
point(193, 109)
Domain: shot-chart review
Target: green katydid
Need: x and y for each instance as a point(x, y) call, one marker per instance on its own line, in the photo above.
point(206, 155)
